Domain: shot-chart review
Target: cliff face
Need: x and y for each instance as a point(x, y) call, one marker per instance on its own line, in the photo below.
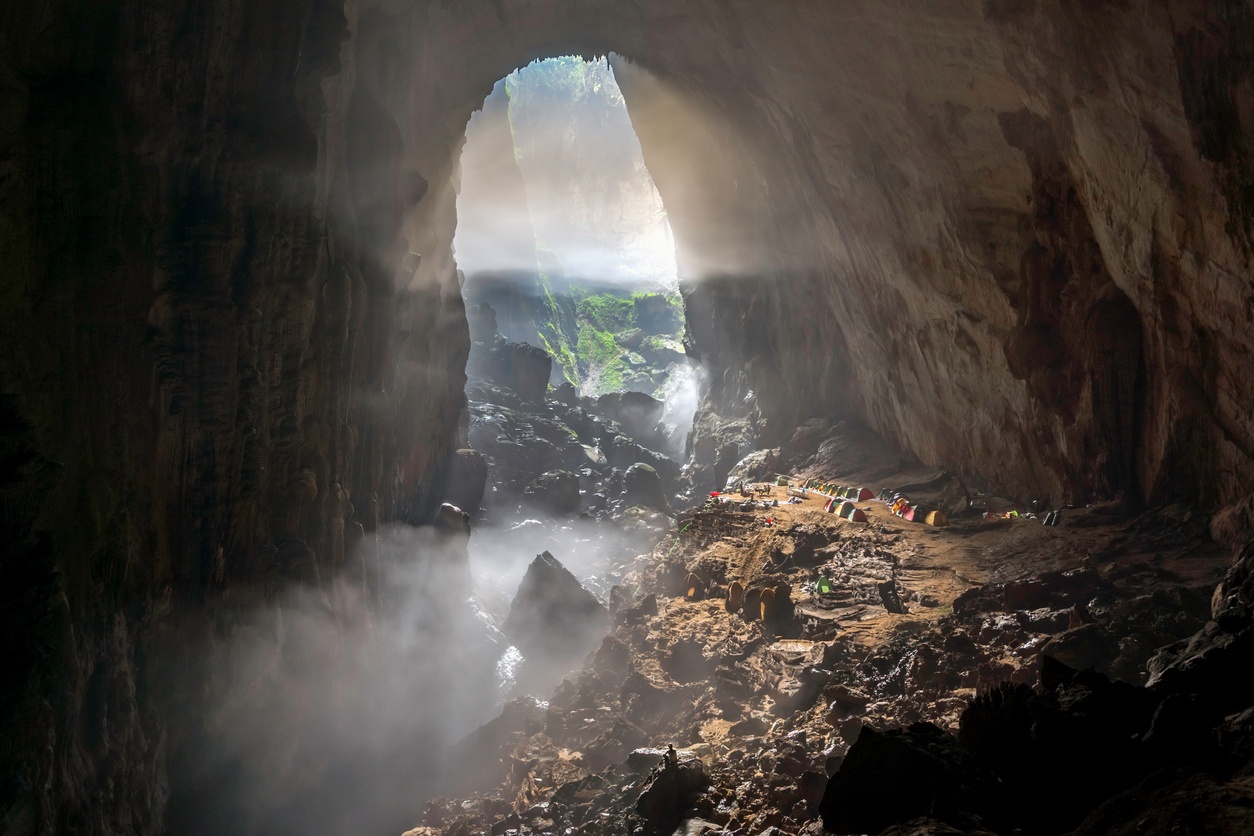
point(1003, 233)
point(217, 371)
point(1012, 235)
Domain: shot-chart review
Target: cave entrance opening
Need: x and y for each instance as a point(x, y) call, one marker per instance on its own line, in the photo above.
point(580, 395)
point(562, 234)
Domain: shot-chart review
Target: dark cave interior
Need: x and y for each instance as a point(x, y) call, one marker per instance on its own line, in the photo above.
point(995, 254)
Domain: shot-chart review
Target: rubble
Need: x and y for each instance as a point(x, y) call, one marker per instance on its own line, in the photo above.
point(924, 690)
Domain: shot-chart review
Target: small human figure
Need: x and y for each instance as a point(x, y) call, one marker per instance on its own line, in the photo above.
point(671, 758)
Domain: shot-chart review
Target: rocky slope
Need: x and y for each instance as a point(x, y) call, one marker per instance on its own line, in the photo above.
point(1022, 660)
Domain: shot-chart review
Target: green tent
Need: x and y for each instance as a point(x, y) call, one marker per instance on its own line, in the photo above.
point(822, 585)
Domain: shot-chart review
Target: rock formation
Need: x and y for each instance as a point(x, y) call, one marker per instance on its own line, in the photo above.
point(553, 616)
point(1012, 236)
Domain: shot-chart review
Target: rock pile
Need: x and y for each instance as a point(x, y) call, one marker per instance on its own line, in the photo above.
point(849, 716)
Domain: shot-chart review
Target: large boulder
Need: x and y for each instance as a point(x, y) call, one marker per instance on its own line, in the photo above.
point(756, 467)
point(553, 615)
point(525, 369)
point(642, 486)
point(519, 367)
point(638, 413)
point(555, 492)
point(894, 776)
point(670, 790)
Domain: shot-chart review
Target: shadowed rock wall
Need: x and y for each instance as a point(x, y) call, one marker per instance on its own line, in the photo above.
point(219, 366)
point(1012, 235)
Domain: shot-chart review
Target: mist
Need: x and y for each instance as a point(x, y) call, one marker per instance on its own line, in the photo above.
point(339, 702)
point(553, 180)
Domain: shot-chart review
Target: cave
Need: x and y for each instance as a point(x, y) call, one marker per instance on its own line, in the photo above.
point(978, 261)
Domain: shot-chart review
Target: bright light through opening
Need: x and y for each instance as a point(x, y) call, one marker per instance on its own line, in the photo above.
point(577, 174)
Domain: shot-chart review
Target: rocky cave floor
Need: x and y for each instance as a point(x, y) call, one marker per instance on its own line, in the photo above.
point(986, 676)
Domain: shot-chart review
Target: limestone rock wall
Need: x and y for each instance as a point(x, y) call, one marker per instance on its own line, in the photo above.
point(220, 366)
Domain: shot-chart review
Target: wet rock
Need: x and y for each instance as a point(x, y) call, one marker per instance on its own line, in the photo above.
point(643, 486)
point(555, 492)
point(553, 615)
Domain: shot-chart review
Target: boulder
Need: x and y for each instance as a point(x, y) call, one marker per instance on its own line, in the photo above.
point(643, 486)
point(555, 493)
point(755, 467)
point(553, 615)
point(522, 368)
point(670, 790)
point(894, 776)
point(638, 413)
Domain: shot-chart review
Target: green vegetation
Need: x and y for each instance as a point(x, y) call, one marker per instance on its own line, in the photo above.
point(584, 328)
point(586, 331)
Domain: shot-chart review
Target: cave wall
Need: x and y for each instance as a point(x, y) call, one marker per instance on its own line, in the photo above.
point(1012, 235)
point(997, 215)
point(210, 389)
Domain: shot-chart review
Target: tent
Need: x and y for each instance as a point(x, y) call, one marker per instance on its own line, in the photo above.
point(862, 494)
point(851, 512)
point(735, 596)
point(936, 518)
point(830, 507)
point(899, 505)
point(910, 512)
point(886, 495)
point(766, 602)
point(823, 585)
point(693, 587)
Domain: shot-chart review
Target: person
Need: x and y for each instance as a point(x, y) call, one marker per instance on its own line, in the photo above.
point(671, 758)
